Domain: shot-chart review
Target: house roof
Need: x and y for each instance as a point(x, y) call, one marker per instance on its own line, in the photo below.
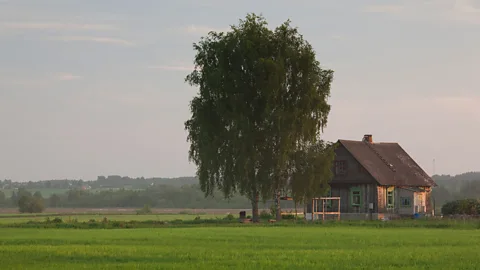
point(388, 163)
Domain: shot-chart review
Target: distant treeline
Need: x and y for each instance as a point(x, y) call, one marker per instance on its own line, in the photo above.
point(158, 196)
point(112, 181)
point(184, 192)
point(459, 187)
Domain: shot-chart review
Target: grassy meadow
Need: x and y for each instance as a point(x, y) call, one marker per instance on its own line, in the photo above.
point(242, 247)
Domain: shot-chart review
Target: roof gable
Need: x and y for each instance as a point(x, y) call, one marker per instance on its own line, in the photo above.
point(388, 163)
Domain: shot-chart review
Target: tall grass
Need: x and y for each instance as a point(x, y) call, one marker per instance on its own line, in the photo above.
point(247, 247)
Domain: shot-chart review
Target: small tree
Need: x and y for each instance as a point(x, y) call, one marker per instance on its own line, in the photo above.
point(3, 198)
point(30, 204)
point(54, 200)
point(37, 194)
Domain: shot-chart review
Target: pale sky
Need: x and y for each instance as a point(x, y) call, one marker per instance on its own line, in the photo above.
point(96, 87)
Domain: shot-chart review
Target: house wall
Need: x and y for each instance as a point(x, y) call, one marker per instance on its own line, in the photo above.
point(404, 193)
point(368, 195)
point(420, 202)
point(355, 174)
point(381, 199)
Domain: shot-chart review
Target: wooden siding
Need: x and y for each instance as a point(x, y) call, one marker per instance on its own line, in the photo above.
point(368, 195)
point(355, 173)
point(404, 193)
point(382, 199)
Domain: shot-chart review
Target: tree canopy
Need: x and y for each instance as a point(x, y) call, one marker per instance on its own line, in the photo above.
point(262, 98)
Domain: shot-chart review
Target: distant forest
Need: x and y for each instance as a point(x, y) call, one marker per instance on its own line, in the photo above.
point(183, 192)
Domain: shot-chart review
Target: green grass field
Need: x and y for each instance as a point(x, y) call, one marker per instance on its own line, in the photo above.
point(244, 247)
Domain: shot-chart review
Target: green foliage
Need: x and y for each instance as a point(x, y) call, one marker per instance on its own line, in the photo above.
point(30, 204)
point(145, 210)
point(262, 97)
point(3, 198)
point(462, 207)
point(312, 171)
point(266, 215)
point(54, 200)
point(458, 187)
point(228, 217)
point(288, 216)
point(38, 195)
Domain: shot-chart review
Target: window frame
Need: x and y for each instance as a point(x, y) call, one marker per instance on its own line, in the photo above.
point(390, 193)
point(406, 199)
point(353, 190)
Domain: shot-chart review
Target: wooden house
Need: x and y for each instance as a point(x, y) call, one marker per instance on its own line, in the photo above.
point(379, 180)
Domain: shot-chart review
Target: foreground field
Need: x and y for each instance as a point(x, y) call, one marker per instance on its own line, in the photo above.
point(247, 247)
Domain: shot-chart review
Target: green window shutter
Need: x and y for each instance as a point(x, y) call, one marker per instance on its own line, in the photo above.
point(356, 198)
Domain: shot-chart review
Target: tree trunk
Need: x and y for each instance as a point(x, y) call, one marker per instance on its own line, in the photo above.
point(255, 214)
point(278, 207)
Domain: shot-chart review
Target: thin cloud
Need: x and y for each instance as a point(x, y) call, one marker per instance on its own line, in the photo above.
point(461, 104)
point(173, 68)
point(202, 29)
point(67, 77)
point(383, 9)
point(464, 10)
point(55, 26)
point(105, 40)
point(439, 11)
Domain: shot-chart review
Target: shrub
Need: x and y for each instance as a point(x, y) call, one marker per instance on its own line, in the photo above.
point(265, 215)
point(288, 216)
point(145, 210)
point(30, 204)
point(229, 217)
point(273, 210)
point(57, 220)
point(461, 207)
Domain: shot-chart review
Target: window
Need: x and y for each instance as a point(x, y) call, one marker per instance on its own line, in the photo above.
point(405, 201)
point(340, 167)
point(356, 196)
point(390, 197)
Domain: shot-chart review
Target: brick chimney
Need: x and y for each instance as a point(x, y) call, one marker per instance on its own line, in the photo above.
point(368, 138)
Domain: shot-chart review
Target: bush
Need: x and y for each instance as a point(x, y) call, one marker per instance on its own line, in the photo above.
point(462, 207)
point(229, 217)
point(288, 216)
point(145, 210)
point(57, 220)
point(265, 215)
point(30, 204)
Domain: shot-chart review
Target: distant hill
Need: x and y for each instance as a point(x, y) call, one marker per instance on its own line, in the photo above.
point(462, 186)
point(116, 181)
point(111, 181)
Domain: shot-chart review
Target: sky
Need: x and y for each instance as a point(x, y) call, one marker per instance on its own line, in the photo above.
point(96, 87)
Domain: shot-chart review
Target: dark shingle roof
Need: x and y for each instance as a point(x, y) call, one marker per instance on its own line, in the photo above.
point(388, 163)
